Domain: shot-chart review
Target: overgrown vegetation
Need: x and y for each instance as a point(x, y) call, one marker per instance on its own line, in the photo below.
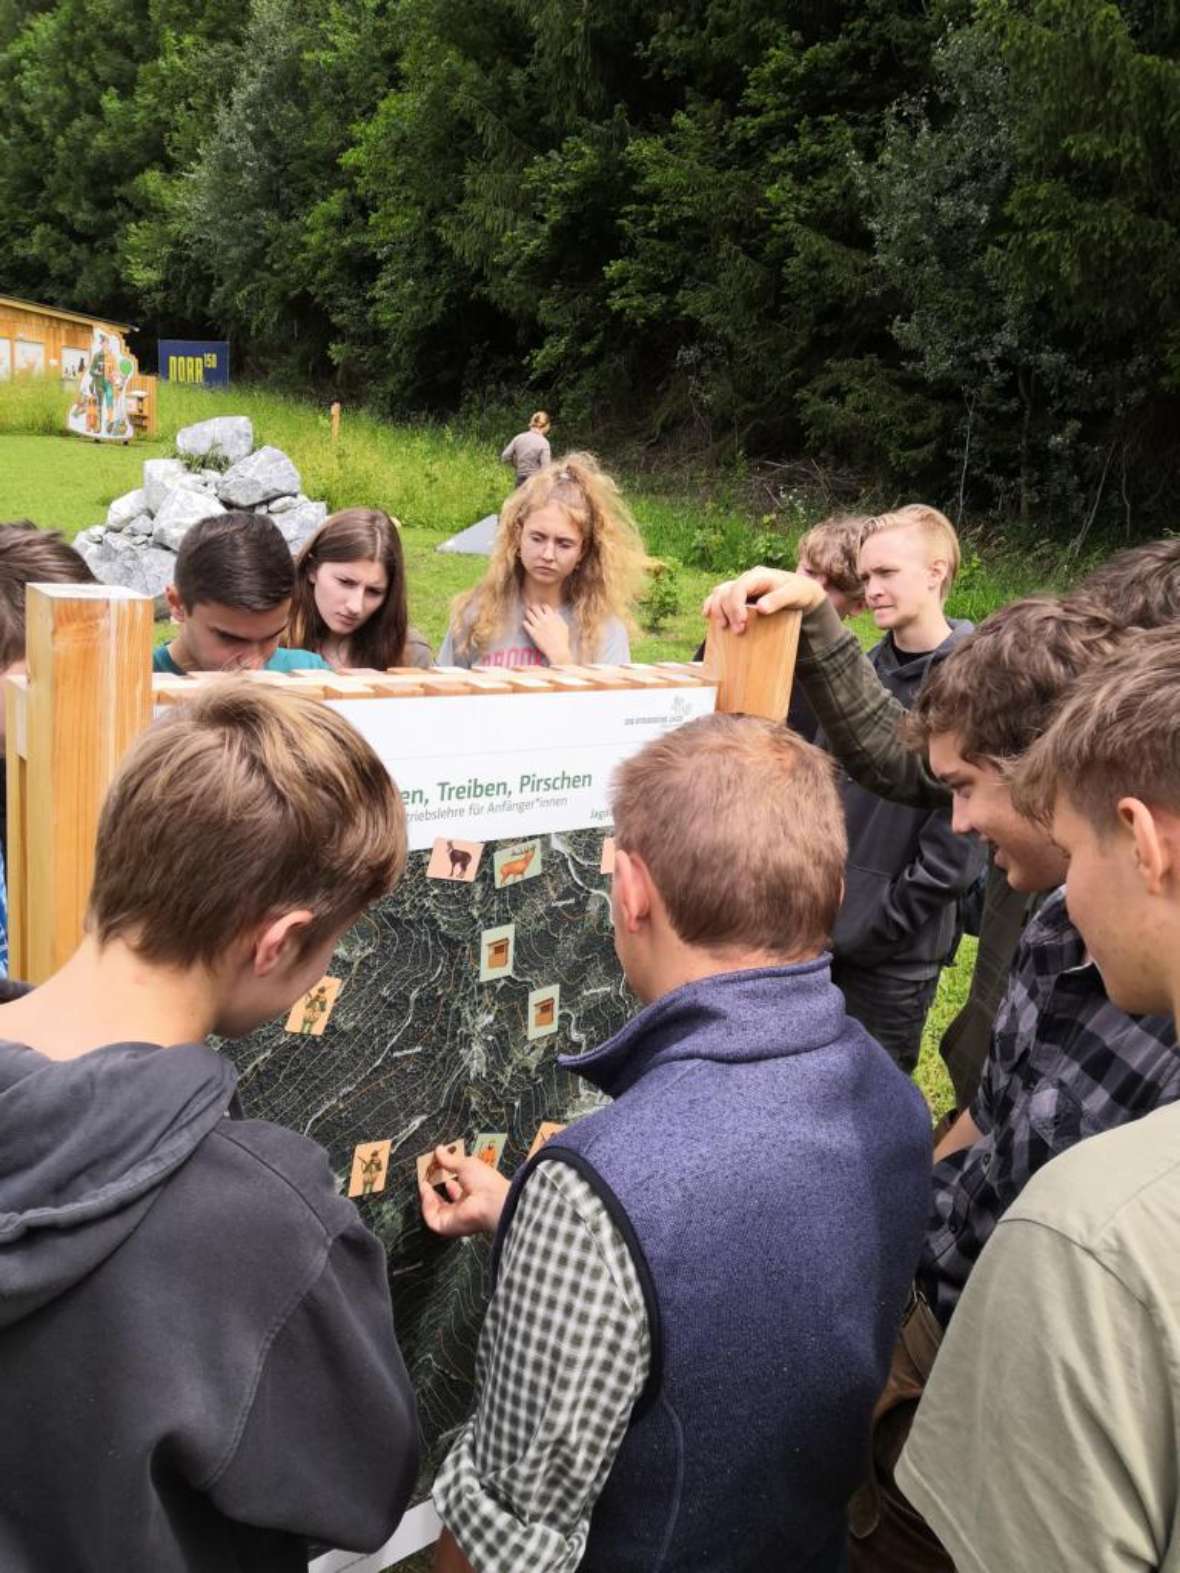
point(933, 249)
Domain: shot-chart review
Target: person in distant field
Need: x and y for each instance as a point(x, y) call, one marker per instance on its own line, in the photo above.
point(528, 451)
point(899, 922)
point(28, 555)
point(827, 553)
point(1048, 1435)
point(677, 1369)
point(350, 595)
point(198, 1366)
point(562, 577)
point(232, 600)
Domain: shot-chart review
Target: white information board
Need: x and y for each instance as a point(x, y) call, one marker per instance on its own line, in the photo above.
point(495, 767)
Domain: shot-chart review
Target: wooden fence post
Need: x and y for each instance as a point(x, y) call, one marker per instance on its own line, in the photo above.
point(335, 413)
point(755, 669)
point(87, 697)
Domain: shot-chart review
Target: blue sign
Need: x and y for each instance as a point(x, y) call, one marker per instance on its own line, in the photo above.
point(200, 361)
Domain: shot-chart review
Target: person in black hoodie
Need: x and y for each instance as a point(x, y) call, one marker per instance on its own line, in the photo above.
point(907, 869)
point(198, 1367)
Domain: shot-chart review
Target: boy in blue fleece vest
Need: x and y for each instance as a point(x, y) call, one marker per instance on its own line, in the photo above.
point(697, 1286)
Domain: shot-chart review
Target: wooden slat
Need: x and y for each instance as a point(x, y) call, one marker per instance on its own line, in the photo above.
point(602, 677)
point(392, 687)
point(346, 685)
point(444, 683)
point(561, 677)
point(532, 681)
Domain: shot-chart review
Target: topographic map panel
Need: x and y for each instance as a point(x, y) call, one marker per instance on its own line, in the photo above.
point(417, 1050)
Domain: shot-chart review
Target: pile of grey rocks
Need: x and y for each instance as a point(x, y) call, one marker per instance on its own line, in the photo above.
point(137, 544)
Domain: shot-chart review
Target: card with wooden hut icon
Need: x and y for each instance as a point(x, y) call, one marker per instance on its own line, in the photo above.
point(496, 950)
point(544, 1005)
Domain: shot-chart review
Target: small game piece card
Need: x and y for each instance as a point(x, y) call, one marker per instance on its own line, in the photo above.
point(512, 864)
point(496, 950)
point(607, 866)
point(488, 1147)
point(544, 1005)
point(310, 1014)
point(454, 860)
point(546, 1132)
point(431, 1172)
point(370, 1168)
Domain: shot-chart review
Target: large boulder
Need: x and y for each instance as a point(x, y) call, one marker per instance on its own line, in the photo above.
point(297, 525)
point(181, 510)
point(125, 508)
point(159, 478)
point(260, 478)
point(146, 568)
point(228, 437)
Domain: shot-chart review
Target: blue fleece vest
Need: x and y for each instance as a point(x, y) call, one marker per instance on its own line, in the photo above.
point(769, 1167)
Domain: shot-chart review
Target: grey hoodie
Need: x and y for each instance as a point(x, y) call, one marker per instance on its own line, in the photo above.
point(198, 1368)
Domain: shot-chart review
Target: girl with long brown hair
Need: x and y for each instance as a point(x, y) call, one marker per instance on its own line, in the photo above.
point(350, 595)
point(563, 576)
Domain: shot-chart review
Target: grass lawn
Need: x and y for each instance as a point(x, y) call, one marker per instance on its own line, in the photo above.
point(437, 479)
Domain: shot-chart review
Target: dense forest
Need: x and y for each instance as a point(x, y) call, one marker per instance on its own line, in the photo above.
point(930, 244)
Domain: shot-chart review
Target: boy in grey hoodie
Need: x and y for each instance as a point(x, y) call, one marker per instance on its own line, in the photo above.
point(198, 1368)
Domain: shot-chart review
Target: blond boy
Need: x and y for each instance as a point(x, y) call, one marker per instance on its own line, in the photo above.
point(198, 1368)
point(1048, 1435)
point(697, 1285)
point(907, 869)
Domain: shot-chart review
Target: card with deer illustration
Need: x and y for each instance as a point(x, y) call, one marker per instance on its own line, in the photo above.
point(515, 863)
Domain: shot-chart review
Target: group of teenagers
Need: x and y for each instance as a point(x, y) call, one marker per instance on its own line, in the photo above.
point(747, 1314)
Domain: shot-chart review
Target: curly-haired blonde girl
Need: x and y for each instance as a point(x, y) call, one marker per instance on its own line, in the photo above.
point(563, 575)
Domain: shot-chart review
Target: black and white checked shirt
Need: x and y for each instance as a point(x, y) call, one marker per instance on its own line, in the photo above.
point(1064, 1064)
point(563, 1355)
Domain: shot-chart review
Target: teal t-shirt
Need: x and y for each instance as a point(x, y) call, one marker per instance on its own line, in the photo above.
point(283, 660)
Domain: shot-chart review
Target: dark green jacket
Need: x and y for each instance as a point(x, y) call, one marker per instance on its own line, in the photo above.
point(861, 720)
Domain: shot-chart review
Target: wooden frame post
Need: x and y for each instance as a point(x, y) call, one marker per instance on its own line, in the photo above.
point(87, 697)
point(755, 669)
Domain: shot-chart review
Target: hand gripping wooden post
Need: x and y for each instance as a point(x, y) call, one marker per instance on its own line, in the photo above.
point(755, 669)
point(87, 696)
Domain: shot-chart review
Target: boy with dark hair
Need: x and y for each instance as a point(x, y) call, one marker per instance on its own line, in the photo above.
point(697, 1286)
point(1048, 1436)
point(198, 1368)
point(232, 599)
